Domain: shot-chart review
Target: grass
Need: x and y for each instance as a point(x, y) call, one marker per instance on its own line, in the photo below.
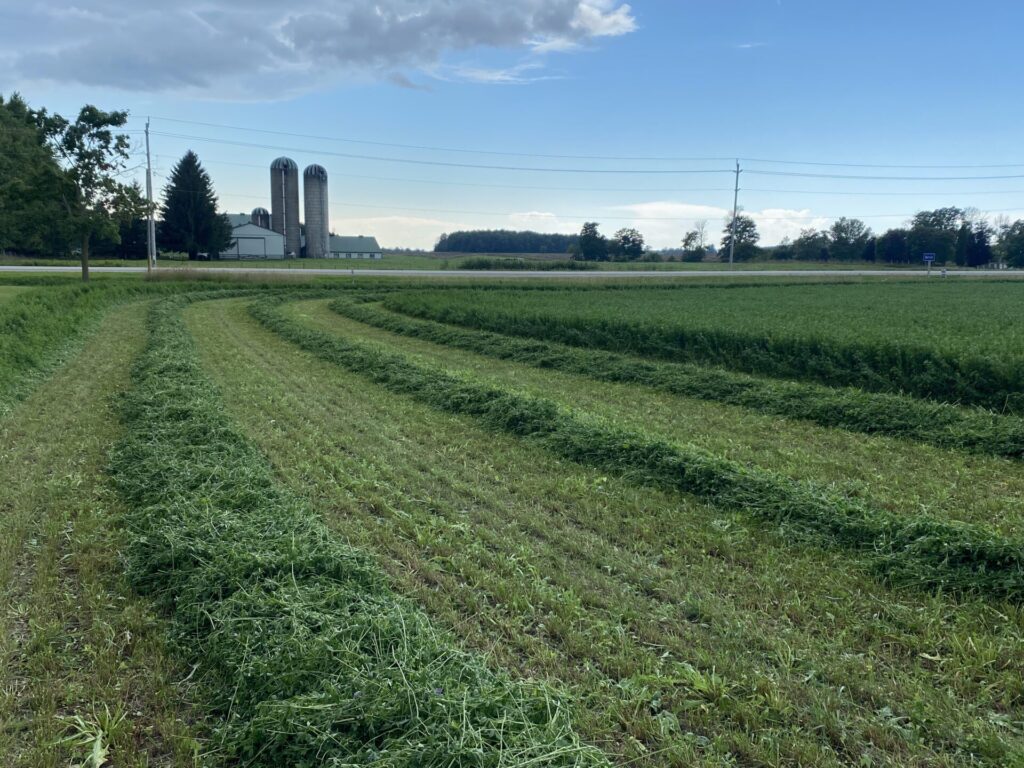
point(919, 549)
point(941, 425)
point(306, 654)
point(954, 341)
point(895, 475)
point(689, 636)
point(84, 669)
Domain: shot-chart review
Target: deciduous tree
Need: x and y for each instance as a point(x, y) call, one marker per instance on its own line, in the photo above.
point(93, 157)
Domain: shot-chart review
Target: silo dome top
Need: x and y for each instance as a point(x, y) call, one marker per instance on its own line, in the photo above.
point(316, 170)
point(260, 212)
point(284, 164)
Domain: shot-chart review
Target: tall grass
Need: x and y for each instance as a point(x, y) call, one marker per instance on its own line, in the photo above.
point(947, 426)
point(958, 344)
point(305, 652)
point(919, 550)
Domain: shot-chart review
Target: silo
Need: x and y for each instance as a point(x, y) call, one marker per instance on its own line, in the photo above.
point(260, 217)
point(284, 203)
point(314, 190)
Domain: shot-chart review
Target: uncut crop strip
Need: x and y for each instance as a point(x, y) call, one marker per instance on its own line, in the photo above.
point(303, 648)
point(915, 550)
point(946, 426)
point(878, 366)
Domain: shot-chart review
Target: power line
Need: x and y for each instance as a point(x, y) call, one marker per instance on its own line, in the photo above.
point(633, 158)
point(411, 161)
point(882, 178)
point(672, 190)
point(536, 169)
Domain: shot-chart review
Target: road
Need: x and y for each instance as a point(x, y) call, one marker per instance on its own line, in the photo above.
point(532, 274)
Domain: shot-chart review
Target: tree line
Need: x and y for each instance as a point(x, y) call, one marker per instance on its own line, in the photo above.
point(503, 241)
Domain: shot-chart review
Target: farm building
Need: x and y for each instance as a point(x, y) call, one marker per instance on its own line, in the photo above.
point(253, 242)
point(354, 248)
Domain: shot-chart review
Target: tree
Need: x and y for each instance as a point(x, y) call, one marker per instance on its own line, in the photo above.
point(1011, 244)
point(92, 157)
point(979, 245)
point(30, 219)
point(848, 239)
point(812, 245)
point(892, 247)
point(694, 242)
point(189, 218)
point(747, 237)
point(935, 232)
point(626, 245)
point(593, 246)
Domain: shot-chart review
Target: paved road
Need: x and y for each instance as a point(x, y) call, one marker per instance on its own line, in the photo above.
point(586, 275)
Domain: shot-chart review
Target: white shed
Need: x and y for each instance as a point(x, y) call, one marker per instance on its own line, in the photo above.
point(253, 242)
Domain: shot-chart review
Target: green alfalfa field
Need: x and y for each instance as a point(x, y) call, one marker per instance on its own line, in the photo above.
point(381, 522)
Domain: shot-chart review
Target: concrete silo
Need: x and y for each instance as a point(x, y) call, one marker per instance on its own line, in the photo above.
point(260, 217)
point(284, 204)
point(318, 231)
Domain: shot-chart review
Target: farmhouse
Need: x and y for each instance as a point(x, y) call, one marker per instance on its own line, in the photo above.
point(354, 248)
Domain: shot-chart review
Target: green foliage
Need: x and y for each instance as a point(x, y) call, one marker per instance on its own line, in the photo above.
point(626, 245)
point(839, 335)
point(545, 265)
point(921, 551)
point(503, 241)
point(189, 221)
point(29, 178)
point(93, 157)
point(1011, 243)
point(948, 426)
point(304, 650)
point(893, 247)
point(592, 245)
point(747, 238)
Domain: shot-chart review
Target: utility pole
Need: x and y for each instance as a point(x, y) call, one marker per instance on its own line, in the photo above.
point(735, 211)
point(151, 222)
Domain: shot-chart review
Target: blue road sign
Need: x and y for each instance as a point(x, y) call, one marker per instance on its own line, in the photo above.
point(929, 257)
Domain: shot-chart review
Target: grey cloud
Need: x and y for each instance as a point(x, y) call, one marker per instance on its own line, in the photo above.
point(263, 48)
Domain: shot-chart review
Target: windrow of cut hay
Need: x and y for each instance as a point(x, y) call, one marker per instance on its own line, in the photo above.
point(917, 550)
point(969, 429)
point(40, 327)
point(877, 365)
point(304, 651)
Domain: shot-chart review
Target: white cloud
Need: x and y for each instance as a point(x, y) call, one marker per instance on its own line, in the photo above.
point(396, 231)
point(267, 50)
point(664, 222)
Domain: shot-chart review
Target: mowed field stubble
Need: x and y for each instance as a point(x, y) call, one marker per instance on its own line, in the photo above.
point(375, 522)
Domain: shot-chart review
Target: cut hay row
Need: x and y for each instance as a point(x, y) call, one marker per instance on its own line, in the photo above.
point(918, 550)
point(42, 326)
point(304, 651)
point(817, 352)
point(946, 426)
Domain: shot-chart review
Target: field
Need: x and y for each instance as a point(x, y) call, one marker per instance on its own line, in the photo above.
point(363, 522)
point(430, 261)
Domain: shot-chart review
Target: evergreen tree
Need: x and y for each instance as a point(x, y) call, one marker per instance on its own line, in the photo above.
point(189, 218)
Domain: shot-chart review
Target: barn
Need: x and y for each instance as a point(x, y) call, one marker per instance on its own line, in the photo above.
point(354, 248)
point(253, 242)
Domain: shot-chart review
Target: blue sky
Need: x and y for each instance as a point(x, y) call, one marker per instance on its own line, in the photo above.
point(868, 82)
